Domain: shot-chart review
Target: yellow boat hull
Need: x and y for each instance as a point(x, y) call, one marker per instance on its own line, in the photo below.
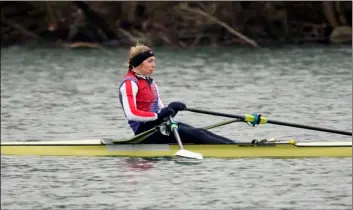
point(214, 151)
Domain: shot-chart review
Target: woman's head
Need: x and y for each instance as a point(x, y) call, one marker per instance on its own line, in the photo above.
point(142, 60)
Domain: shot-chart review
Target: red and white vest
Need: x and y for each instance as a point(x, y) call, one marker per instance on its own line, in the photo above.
point(139, 97)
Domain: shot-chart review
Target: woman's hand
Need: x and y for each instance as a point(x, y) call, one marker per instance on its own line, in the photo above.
point(177, 106)
point(165, 112)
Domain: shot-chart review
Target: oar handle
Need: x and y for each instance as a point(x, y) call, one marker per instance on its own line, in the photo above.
point(246, 118)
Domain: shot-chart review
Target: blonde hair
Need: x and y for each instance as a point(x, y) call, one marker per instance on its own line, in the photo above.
point(137, 49)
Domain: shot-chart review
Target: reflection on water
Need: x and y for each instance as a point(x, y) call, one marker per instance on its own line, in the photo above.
point(138, 164)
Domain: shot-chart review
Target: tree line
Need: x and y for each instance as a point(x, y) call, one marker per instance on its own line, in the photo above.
point(178, 24)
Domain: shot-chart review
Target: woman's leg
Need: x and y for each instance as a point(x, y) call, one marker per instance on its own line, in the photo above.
point(146, 126)
point(157, 137)
point(189, 134)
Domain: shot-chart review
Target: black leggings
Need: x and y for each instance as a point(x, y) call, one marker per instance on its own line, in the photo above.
point(188, 135)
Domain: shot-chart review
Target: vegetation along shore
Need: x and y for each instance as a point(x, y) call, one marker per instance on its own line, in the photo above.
point(177, 24)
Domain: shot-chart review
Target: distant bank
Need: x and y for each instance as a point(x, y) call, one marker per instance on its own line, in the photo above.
point(80, 24)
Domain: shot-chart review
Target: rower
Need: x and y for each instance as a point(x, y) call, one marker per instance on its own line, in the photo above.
point(142, 105)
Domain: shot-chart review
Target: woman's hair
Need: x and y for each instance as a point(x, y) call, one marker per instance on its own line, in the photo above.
point(137, 49)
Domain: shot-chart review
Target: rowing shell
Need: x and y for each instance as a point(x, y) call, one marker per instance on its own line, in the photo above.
point(106, 147)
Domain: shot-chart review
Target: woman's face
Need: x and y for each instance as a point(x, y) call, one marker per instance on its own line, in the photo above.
point(147, 66)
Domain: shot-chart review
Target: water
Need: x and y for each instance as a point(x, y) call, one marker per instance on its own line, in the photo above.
point(111, 183)
point(51, 94)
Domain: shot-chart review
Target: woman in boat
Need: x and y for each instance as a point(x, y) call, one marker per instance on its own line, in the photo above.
point(140, 99)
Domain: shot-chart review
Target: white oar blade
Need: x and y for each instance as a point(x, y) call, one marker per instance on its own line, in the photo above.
point(188, 154)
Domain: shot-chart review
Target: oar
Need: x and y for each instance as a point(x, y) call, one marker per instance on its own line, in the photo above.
point(220, 124)
point(138, 138)
point(263, 120)
point(182, 152)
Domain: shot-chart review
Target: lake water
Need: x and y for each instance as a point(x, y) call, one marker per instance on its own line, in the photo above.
point(51, 94)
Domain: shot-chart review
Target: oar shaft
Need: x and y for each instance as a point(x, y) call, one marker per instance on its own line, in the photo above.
point(182, 152)
point(138, 138)
point(216, 113)
point(241, 117)
point(310, 127)
point(142, 136)
point(220, 124)
point(176, 133)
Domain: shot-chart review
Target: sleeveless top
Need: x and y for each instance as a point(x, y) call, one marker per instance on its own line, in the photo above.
point(139, 98)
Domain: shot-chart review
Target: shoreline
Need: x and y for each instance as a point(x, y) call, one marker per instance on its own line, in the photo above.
point(176, 24)
point(116, 45)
